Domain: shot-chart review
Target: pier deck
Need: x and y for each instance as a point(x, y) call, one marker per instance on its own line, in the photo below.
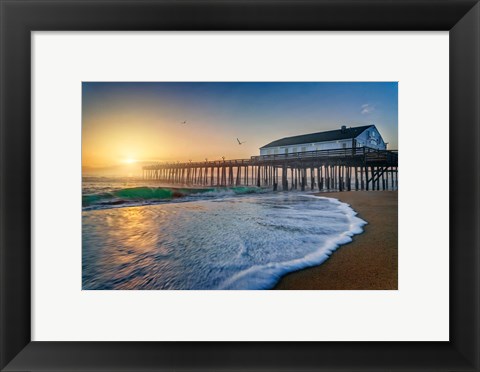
point(360, 168)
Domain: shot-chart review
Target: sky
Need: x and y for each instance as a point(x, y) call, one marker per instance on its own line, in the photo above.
point(128, 125)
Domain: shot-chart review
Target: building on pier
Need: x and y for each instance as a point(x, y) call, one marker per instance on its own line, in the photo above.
point(364, 136)
point(351, 158)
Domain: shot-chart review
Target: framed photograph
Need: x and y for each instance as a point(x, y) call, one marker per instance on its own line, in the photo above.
point(219, 185)
point(231, 220)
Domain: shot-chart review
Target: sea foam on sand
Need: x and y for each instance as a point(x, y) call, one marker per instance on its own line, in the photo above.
point(231, 242)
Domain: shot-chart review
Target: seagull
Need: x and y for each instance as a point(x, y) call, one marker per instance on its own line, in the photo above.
point(240, 142)
point(184, 122)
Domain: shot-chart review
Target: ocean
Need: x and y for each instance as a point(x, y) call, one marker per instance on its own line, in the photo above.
point(139, 235)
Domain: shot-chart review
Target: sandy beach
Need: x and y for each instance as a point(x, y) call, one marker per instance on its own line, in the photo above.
point(370, 261)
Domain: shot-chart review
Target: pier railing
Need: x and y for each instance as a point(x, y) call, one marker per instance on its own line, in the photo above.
point(361, 153)
point(369, 154)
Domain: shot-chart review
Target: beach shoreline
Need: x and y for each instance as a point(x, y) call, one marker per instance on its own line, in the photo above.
point(370, 261)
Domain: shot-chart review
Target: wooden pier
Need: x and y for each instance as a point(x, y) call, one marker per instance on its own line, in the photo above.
point(360, 168)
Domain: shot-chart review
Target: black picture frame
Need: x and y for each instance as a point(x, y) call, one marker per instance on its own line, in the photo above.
point(18, 18)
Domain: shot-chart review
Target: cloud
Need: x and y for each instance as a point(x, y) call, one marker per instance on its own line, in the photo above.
point(367, 109)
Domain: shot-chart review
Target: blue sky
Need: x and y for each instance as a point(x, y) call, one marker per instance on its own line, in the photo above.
point(143, 120)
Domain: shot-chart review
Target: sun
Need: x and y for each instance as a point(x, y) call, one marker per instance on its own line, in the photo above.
point(130, 161)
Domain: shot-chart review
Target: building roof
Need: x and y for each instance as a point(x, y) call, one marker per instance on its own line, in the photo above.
point(331, 135)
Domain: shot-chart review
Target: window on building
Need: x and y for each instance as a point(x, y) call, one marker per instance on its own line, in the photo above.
point(275, 151)
point(304, 149)
point(285, 150)
point(294, 149)
point(344, 145)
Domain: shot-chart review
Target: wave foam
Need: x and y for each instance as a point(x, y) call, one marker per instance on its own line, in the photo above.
point(266, 276)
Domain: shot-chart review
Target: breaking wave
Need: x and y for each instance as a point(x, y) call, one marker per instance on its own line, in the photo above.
point(126, 197)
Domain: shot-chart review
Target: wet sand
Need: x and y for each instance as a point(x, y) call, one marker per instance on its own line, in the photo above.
point(370, 261)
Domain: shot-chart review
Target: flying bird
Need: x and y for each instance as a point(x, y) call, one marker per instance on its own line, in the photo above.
point(240, 142)
point(184, 122)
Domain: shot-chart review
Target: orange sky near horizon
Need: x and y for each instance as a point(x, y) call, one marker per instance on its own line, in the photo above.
point(122, 138)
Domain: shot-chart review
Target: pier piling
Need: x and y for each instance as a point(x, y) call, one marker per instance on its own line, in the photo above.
point(323, 170)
